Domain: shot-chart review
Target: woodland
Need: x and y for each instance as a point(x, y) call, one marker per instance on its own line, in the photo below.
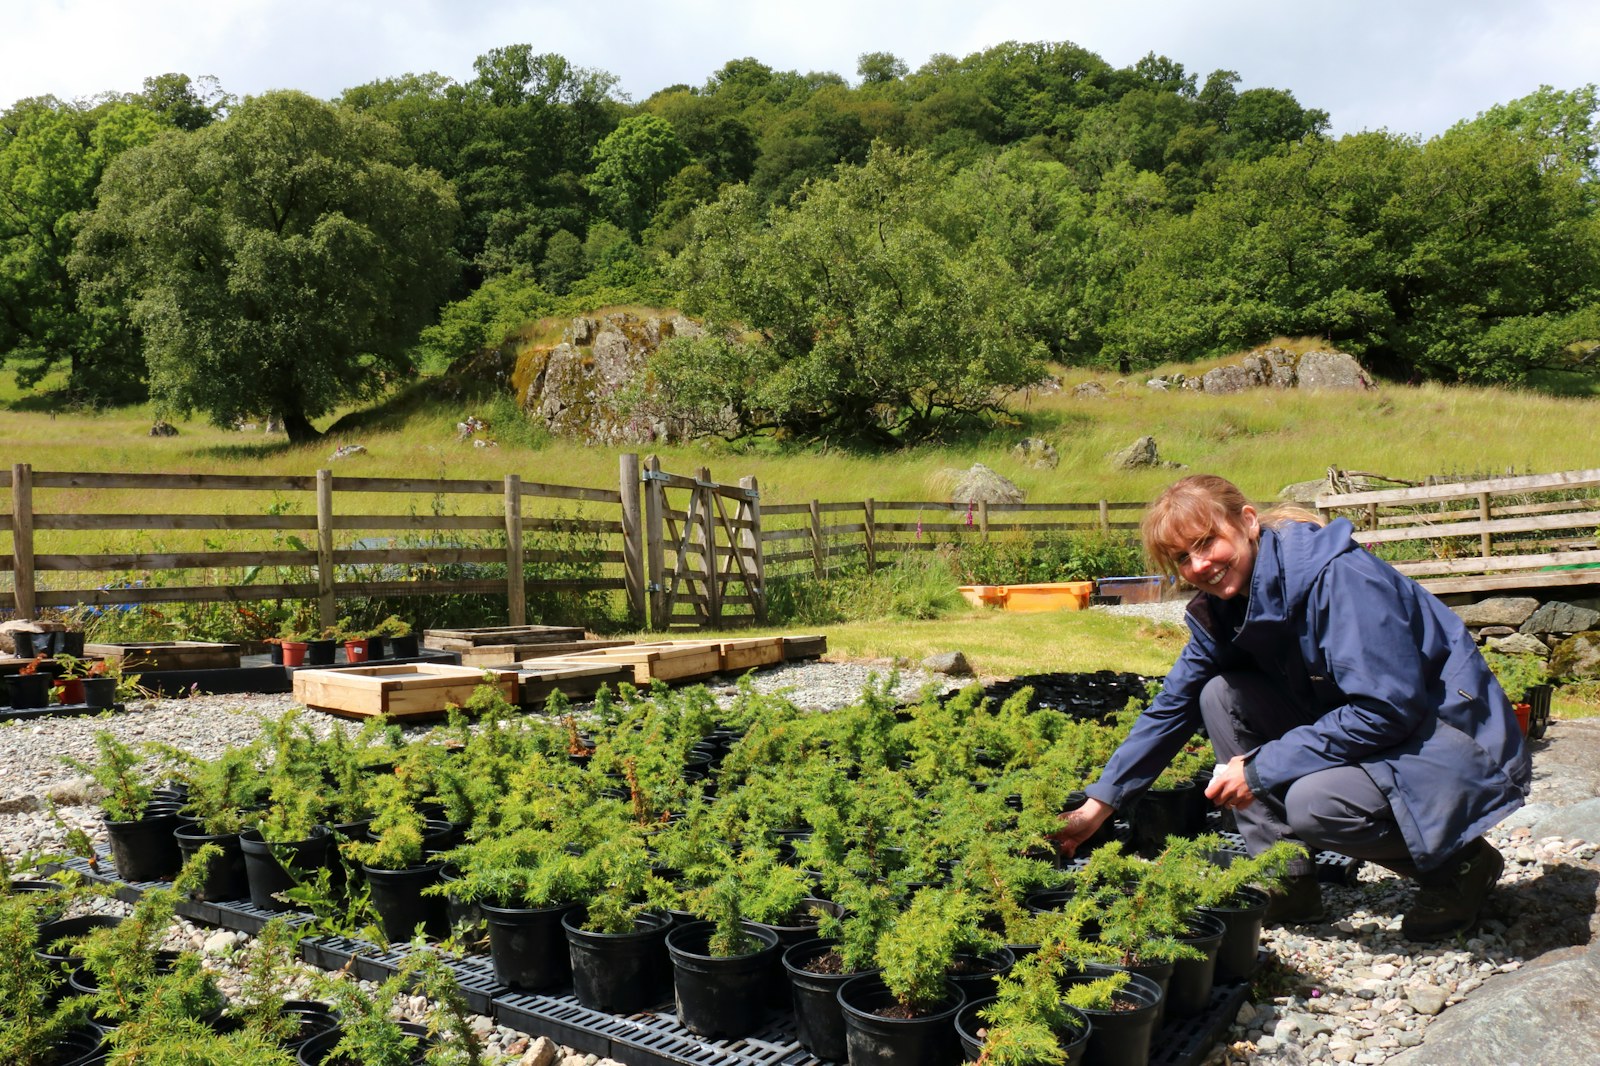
point(886, 257)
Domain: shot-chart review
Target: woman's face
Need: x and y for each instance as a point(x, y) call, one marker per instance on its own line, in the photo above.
point(1220, 560)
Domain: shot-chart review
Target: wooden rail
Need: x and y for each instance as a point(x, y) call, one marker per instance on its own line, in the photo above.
point(682, 550)
point(1484, 546)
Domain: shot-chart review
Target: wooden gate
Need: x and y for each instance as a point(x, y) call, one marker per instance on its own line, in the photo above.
point(703, 563)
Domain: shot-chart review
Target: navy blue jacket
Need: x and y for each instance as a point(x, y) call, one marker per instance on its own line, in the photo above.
point(1400, 688)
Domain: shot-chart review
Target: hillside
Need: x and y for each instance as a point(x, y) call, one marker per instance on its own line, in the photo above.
point(1263, 440)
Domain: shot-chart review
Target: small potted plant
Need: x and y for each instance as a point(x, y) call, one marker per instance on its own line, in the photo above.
point(354, 637)
point(399, 640)
point(140, 827)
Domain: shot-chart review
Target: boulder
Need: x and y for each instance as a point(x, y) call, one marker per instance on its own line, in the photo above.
point(1159, 384)
point(163, 429)
point(1542, 1013)
point(950, 663)
point(1089, 390)
point(1037, 453)
point(1558, 617)
point(1577, 656)
point(1330, 370)
point(1518, 644)
point(1581, 821)
point(982, 485)
point(1495, 631)
point(1142, 452)
point(1226, 380)
point(1498, 611)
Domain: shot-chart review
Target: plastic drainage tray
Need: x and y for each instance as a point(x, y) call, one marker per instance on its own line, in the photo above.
point(1332, 868)
point(56, 710)
point(648, 1038)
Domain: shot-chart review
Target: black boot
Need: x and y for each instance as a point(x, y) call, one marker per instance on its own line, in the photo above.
point(1450, 898)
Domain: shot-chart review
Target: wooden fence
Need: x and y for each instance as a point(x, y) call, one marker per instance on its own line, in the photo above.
point(1533, 531)
point(682, 551)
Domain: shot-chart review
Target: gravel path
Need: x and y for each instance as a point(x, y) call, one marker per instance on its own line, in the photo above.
point(1351, 990)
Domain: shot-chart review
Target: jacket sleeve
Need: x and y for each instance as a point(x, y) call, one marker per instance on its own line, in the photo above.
point(1370, 636)
point(1163, 728)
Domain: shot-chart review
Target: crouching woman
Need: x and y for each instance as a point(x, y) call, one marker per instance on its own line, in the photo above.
point(1349, 709)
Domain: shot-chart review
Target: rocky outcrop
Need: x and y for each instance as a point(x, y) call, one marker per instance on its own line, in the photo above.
point(1037, 453)
point(1142, 452)
point(1499, 611)
point(1275, 368)
point(1567, 634)
point(982, 485)
point(587, 386)
point(1577, 656)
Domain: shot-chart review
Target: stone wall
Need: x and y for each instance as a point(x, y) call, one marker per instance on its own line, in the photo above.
point(1566, 635)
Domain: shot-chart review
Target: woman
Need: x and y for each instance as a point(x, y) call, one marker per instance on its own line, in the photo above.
point(1349, 709)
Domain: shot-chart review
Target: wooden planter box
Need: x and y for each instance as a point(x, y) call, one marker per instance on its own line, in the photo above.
point(750, 652)
point(668, 661)
point(401, 690)
point(168, 655)
point(466, 639)
point(540, 677)
point(507, 654)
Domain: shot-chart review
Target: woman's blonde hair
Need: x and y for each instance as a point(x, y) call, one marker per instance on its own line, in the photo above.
point(1197, 506)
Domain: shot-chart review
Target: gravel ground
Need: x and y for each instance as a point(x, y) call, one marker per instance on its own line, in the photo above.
point(1351, 990)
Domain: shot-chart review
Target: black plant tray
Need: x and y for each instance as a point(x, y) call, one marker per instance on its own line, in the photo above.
point(55, 710)
point(647, 1038)
point(1093, 697)
point(1332, 868)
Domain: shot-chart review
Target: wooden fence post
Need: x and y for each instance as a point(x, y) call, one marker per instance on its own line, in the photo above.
point(632, 543)
point(1105, 517)
point(516, 578)
point(22, 539)
point(817, 563)
point(750, 540)
point(983, 519)
point(870, 513)
point(708, 544)
point(655, 555)
point(1485, 513)
point(327, 606)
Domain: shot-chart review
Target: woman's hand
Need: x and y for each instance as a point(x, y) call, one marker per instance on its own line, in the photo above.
point(1079, 825)
point(1229, 787)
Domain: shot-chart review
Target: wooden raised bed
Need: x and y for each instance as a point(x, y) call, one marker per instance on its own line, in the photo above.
point(467, 639)
point(540, 677)
point(748, 653)
point(687, 660)
point(167, 655)
point(506, 654)
point(400, 690)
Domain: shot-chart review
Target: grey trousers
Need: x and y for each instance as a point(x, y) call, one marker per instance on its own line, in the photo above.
point(1339, 809)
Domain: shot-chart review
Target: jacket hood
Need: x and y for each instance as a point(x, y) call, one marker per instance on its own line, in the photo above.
point(1289, 561)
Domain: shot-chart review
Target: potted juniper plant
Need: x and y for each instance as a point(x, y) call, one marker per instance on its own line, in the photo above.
point(1030, 1021)
point(216, 809)
point(396, 867)
point(818, 968)
point(724, 969)
point(903, 1014)
point(38, 1027)
point(139, 825)
point(616, 942)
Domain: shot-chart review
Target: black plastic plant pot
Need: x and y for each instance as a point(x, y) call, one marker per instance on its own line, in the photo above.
point(970, 1030)
point(311, 1017)
point(1121, 1036)
point(85, 982)
point(874, 1038)
point(527, 945)
point(818, 1017)
point(1162, 812)
point(57, 940)
point(82, 1045)
point(464, 915)
point(29, 690)
point(1189, 991)
point(318, 1051)
point(145, 849)
point(1242, 917)
point(977, 975)
point(46, 897)
point(801, 925)
point(620, 973)
point(405, 647)
point(722, 997)
point(100, 692)
point(225, 878)
point(264, 864)
point(1160, 973)
point(402, 908)
point(320, 652)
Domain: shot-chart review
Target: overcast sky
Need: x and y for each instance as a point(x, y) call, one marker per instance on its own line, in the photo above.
point(1410, 66)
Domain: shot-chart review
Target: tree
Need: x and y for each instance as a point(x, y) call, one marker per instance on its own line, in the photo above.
point(273, 260)
point(185, 103)
point(876, 68)
point(882, 314)
point(1566, 122)
point(632, 167)
point(52, 156)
